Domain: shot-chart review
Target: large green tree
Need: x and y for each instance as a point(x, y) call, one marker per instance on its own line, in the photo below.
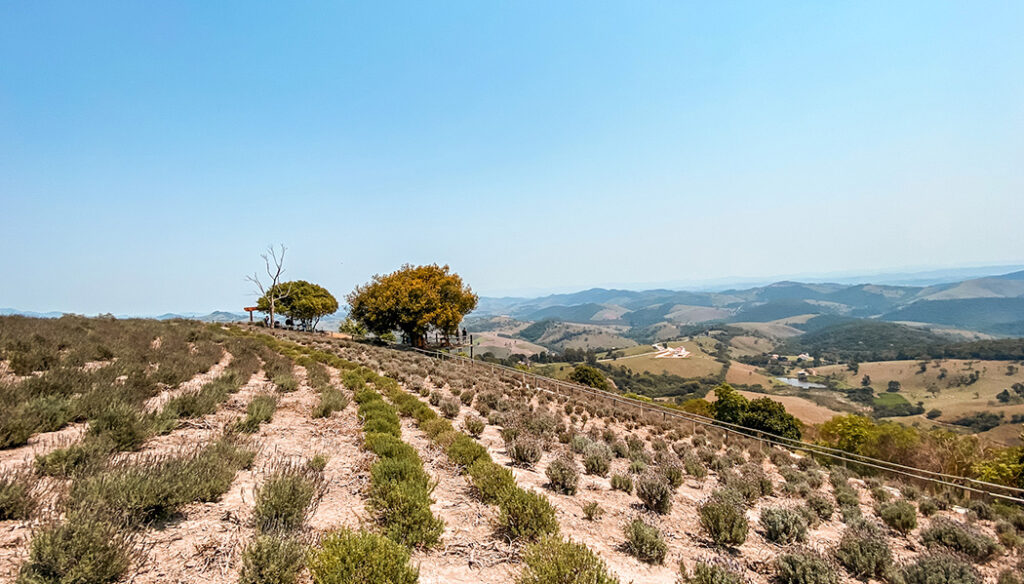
point(414, 300)
point(762, 414)
point(305, 302)
point(587, 375)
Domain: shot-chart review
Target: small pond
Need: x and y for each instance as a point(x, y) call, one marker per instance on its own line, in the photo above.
point(801, 384)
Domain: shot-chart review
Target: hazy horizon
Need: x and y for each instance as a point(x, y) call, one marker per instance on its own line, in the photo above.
point(908, 276)
point(149, 153)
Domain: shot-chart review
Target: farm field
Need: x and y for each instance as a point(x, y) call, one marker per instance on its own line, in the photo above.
point(749, 345)
point(743, 374)
point(222, 454)
point(944, 385)
point(698, 364)
point(503, 346)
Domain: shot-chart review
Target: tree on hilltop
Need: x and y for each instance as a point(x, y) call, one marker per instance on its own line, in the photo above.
point(273, 291)
point(304, 301)
point(414, 300)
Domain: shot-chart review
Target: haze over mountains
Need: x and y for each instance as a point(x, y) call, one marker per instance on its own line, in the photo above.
point(992, 304)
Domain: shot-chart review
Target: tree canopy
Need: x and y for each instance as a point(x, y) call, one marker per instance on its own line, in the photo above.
point(304, 301)
point(762, 414)
point(414, 300)
point(587, 375)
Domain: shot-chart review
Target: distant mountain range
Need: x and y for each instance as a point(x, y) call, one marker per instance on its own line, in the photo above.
point(992, 304)
point(215, 316)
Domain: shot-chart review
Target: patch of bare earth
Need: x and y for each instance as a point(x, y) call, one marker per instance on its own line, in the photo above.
point(158, 401)
point(470, 550)
point(205, 543)
point(680, 528)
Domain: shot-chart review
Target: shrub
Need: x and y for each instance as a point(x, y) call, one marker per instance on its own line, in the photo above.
point(347, 557)
point(694, 467)
point(403, 507)
point(645, 542)
point(715, 571)
point(673, 473)
point(260, 409)
point(527, 515)
point(637, 466)
point(653, 490)
point(121, 425)
point(981, 509)
point(269, 559)
point(564, 475)
point(927, 507)
point(284, 498)
point(554, 561)
point(722, 517)
point(899, 515)
point(804, 567)
point(960, 538)
point(16, 498)
point(864, 551)
point(619, 449)
point(464, 451)
point(821, 505)
point(846, 496)
point(751, 483)
point(286, 382)
point(58, 552)
point(435, 398)
point(939, 568)
point(524, 451)
point(331, 400)
point(450, 408)
point(318, 463)
point(622, 483)
point(592, 511)
point(77, 459)
point(597, 458)
point(156, 488)
point(474, 425)
point(783, 526)
point(494, 482)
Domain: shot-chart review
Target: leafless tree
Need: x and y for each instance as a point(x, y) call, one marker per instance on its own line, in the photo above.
point(274, 261)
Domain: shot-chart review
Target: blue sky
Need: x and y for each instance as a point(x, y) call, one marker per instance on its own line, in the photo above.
point(149, 151)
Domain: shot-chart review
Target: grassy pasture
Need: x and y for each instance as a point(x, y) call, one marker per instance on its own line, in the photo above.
point(942, 385)
point(698, 364)
point(749, 345)
point(743, 374)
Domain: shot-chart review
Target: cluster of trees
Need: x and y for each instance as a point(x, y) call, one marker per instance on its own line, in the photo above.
point(935, 450)
point(869, 340)
point(761, 414)
point(415, 300)
point(1006, 396)
point(301, 301)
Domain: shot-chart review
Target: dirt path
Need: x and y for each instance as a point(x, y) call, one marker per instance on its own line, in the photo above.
point(470, 551)
point(156, 402)
point(205, 543)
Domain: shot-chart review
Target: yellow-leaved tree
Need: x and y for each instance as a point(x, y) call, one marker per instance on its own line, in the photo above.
point(414, 300)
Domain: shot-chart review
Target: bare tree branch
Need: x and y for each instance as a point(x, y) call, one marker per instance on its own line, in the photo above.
point(275, 267)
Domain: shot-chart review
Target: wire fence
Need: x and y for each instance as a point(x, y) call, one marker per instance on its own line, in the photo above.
point(968, 484)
